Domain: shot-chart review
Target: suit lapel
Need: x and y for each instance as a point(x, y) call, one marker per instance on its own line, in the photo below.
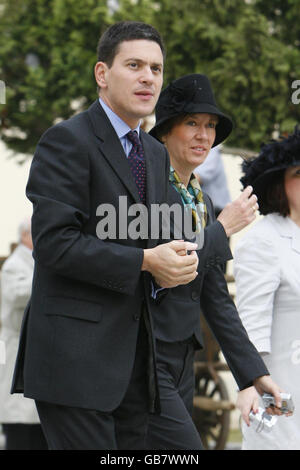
point(111, 148)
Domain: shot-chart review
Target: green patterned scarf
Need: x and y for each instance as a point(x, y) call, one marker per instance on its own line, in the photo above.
point(192, 197)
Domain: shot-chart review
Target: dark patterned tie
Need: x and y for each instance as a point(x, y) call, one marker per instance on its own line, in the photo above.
point(137, 164)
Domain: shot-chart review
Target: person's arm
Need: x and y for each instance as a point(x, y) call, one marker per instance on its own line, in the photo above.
point(241, 355)
point(220, 312)
point(215, 250)
point(241, 212)
point(16, 285)
point(257, 277)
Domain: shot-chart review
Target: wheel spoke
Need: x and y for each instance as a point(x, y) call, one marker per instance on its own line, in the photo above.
point(213, 426)
point(213, 435)
point(214, 390)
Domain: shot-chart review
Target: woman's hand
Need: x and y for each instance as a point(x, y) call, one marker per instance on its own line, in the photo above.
point(239, 213)
point(266, 384)
point(247, 401)
point(248, 398)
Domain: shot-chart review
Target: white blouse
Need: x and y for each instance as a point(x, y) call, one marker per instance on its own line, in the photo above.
point(267, 275)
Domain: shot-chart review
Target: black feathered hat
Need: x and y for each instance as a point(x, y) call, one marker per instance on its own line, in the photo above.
point(190, 94)
point(276, 156)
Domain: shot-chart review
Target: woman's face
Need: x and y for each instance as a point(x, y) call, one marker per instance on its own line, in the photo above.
point(190, 141)
point(292, 188)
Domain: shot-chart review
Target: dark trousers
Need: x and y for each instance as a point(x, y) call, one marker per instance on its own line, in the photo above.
point(19, 436)
point(173, 428)
point(69, 428)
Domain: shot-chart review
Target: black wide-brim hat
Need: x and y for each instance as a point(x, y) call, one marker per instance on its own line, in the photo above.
point(187, 95)
point(277, 155)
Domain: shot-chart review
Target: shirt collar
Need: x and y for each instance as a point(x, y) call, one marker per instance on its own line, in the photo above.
point(118, 124)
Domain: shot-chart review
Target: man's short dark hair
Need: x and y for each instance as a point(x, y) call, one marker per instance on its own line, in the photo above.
point(110, 41)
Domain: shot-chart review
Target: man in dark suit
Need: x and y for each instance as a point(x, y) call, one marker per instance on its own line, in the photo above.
point(86, 351)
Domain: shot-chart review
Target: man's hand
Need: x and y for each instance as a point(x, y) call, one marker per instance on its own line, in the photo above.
point(170, 265)
point(239, 213)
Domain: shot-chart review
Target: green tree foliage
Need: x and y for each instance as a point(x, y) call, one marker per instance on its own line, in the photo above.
point(47, 54)
point(251, 67)
point(248, 48)
point(194, 32)
point(283, 17)
point(256, 88)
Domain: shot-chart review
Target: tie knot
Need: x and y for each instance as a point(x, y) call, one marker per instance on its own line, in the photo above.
point(133, 137)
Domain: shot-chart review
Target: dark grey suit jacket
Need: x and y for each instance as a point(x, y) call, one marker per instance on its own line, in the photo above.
point(79, 332)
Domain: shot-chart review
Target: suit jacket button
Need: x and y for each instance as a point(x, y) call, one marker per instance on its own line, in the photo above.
point(195, 295)
point(136, 317)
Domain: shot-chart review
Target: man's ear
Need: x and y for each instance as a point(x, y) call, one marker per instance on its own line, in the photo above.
point(100, 74)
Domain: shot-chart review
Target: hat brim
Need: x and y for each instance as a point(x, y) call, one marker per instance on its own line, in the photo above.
point(262, 182)
point(223, 128)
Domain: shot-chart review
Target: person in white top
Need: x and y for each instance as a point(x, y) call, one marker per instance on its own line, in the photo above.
point(18, 415)
point(267, 274)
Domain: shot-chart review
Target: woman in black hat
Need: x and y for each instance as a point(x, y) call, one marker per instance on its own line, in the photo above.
point(267, 273)
point(189, 123)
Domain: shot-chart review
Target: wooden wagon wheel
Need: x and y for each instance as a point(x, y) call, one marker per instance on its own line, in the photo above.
point(212, 411)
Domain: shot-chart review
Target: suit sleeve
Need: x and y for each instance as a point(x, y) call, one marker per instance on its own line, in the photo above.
point(216, 248)
point(58, 187)
point(220, 312)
